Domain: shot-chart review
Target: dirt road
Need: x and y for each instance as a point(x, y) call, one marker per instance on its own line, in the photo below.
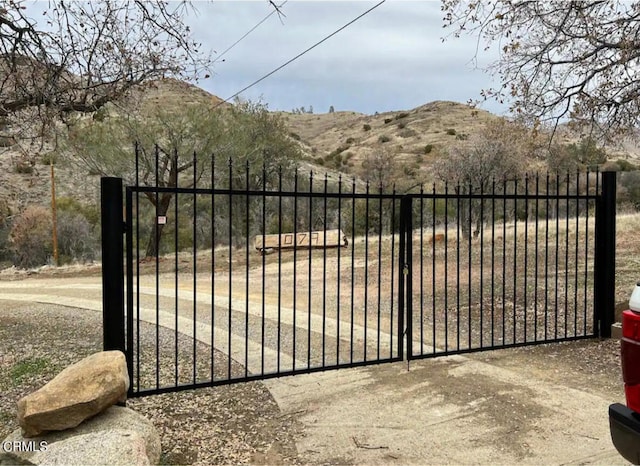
point(545, 405)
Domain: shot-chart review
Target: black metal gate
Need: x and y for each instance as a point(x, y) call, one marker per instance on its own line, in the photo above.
point(210, 302)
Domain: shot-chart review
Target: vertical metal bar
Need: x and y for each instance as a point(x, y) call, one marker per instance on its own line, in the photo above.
point(566, 262)
point(157, 258)
point(515, 257)
point(557, 236)
point(309, 271)
point(195, 264)
point(137, 150)
point(577, 256)
point(353, 262)
point(546, 263)
point(526, 251)
point(409, 278)
point(324, 273)
point(379, 268)
point(446, 266)
point(213, 266)
point(433, 272)
point(246, 270)
point(401, 282)
point(421, 248)
point(606, 255)
point(230, 307)
point(366, 268)
point(504, 260)
point(264, 257)
point(175, 273)
point(469, 288)
point(279, 337)
point(112, 228)
point(129, 290)
point(295, 261)
point(482, 194)
point(392, 290)
point(535, 279)
point(586, 257)
point(458, 229)
point(339, 269)
point(493, 258)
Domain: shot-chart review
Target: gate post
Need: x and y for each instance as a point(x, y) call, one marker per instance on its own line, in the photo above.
point(605, 256)
point(112, 226)
point(405, 288)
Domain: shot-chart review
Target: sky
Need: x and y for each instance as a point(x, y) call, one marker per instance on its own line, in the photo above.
point(391, 59)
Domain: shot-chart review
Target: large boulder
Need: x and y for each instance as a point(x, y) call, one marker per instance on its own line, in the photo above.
point(79, 392)
point(118, 436)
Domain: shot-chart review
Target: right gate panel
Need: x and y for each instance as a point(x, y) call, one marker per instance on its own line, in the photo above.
point(504, 264)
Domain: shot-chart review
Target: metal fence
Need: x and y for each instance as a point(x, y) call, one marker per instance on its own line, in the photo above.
point(202, 298)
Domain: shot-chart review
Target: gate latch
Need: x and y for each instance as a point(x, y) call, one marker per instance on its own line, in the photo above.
point(405, 269)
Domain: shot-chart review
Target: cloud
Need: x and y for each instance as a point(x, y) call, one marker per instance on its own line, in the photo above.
point(392, 58)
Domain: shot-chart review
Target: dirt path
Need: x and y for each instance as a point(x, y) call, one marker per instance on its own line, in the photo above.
point(535, 405)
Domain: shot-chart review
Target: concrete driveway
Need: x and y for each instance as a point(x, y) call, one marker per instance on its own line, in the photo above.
point(502, 407)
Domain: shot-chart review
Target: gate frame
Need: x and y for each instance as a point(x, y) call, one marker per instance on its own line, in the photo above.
point(118, 324)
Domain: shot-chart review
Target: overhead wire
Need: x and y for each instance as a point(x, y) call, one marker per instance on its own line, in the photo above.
point(300, 54)
point(275, 10)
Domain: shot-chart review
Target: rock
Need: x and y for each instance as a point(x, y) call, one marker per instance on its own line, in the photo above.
point(79, 392)
point(118, 436)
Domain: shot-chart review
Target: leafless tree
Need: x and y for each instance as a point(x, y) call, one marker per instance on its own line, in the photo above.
point(482, 164)
point(560, 59)
point(69, 56)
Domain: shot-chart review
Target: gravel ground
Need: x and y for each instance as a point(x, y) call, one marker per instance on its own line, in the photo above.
point(223, 425)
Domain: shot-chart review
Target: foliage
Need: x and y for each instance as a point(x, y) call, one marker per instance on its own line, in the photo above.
point(451, 132)
point(560, 59)
point(77, 56)
point(472, 165)
point(245, 143)
point(76, 240)
point(401, 115)
point(428, 148)
point(331, 109)
point(572, 157)
point(30, 240)
point(366, 127)
point(384, 138)
point(388, 120)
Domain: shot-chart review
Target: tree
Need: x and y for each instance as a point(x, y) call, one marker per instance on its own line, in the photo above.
point(246, 134)
point(57, 58)
point(331, 109)
point(496, 154)
point(560, 59)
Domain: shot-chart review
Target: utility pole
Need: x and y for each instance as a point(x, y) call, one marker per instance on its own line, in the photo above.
point(54, 215)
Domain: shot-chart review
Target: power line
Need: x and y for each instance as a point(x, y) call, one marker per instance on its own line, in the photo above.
point(301, 54)
point(276, 10)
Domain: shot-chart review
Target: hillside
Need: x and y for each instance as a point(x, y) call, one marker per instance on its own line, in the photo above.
point(415, 137)
point(337, 142)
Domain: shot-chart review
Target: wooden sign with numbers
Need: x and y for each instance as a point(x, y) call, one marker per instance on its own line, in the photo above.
point(314, 239)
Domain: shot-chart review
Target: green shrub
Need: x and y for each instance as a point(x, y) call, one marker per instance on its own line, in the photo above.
point(388, 120)
point(401, 115)
point(23, 167)
point(402, 125)
point(384, 138)
point(295, 136)
point(407, 133)
point(30, 240)
point(48, 159)
point(451, 132)
point(462, 136)
point(76, 241)
point(366, 127)
point(428, 148)
point(625, 165)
